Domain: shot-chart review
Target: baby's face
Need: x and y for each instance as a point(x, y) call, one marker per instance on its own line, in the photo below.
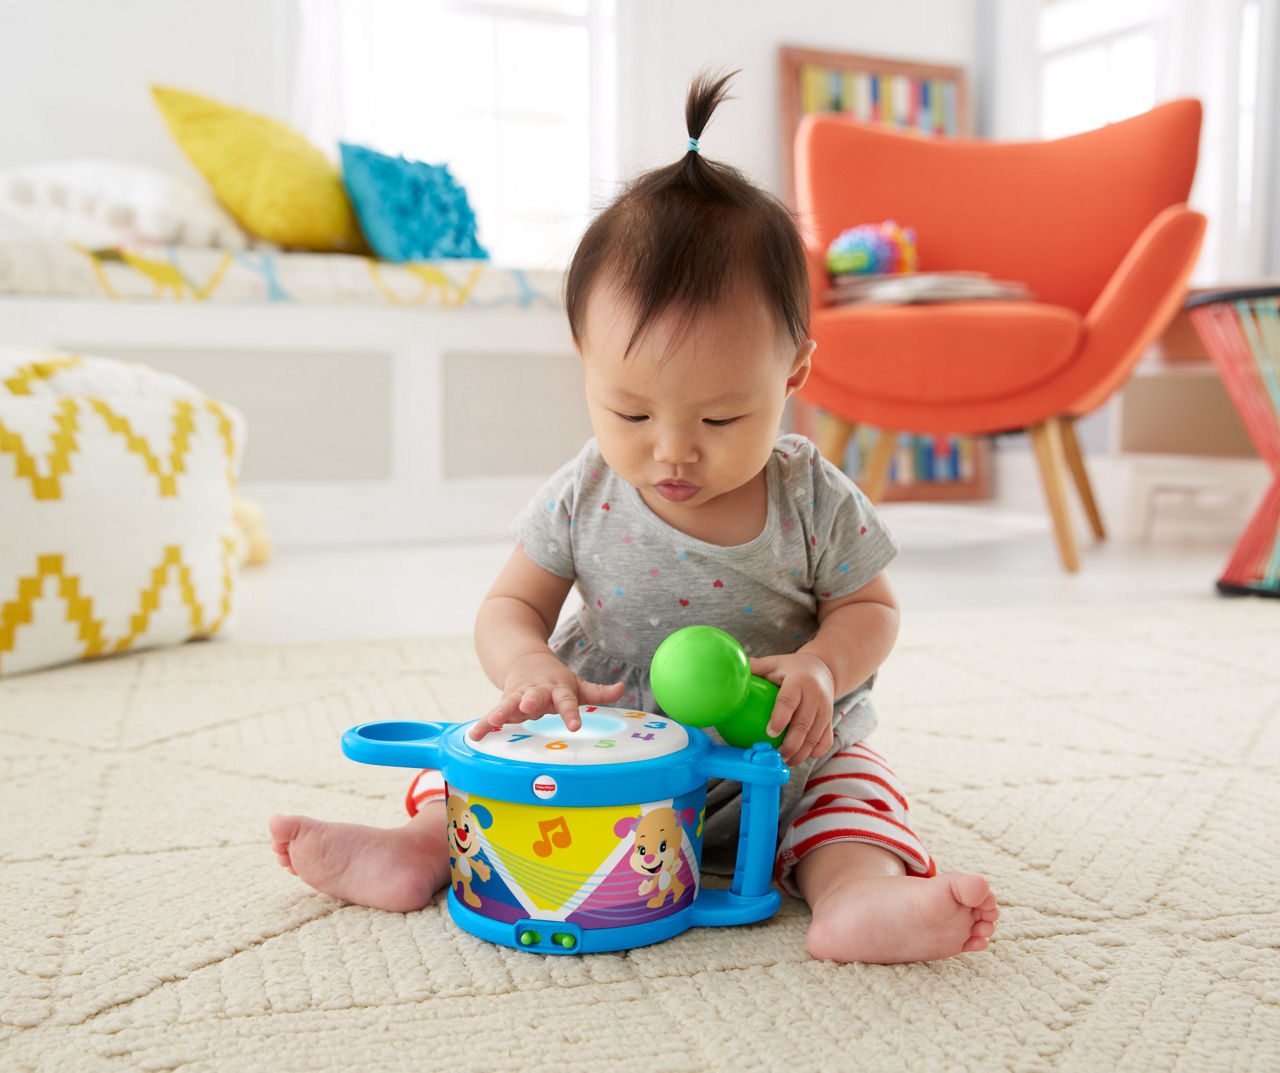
point(690, 416)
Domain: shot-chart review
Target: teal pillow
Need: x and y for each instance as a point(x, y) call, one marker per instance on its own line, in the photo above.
point(409, 211)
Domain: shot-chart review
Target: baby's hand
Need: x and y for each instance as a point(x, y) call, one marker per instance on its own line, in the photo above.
point(806, 693)
point(537, 684)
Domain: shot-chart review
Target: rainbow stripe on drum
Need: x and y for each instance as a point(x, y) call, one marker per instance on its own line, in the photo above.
point(599, 867)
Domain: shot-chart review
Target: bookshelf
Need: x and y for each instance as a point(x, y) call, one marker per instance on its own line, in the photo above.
point(933, 100)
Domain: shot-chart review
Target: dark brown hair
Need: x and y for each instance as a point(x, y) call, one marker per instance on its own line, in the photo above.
point(679, 236)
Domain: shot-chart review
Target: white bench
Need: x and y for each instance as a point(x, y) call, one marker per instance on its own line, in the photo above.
point(366, 425)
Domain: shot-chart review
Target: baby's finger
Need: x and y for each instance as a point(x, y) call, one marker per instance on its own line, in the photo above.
point(536, 701)
point(507, 710)
point(566, 702)
point(784, 711)
point(818, 741)
point(595, 693)
point(486, 724)
point(766, 667)
point(793, 747)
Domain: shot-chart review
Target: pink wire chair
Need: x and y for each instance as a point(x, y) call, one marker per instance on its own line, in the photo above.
point(1241, 331)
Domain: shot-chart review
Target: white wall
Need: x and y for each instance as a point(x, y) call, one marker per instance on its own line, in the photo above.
point(74, 73)
point(662, 44)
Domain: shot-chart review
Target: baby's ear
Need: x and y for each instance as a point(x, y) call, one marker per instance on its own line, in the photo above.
point(800, 366)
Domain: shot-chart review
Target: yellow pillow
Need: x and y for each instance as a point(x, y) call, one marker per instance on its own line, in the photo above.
point(276, 183)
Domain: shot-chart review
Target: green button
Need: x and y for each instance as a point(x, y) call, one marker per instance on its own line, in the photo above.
point(528, 938)
point(567, 941)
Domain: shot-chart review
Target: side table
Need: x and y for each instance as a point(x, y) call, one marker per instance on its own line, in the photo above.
point(1241, 331)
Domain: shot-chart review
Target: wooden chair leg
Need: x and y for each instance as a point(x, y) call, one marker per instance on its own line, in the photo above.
point(833, 435)
point(1046, 438)
point(1075, 461)
point(875, 474)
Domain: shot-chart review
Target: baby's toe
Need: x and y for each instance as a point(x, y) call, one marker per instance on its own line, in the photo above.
point(973, 891)
point(284, 829)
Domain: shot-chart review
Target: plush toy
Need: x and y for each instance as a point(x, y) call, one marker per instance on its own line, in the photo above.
point(873, 249)
point(253, 542)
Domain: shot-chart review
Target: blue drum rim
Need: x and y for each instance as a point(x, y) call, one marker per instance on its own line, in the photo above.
point(577, 785)
point(444, 747)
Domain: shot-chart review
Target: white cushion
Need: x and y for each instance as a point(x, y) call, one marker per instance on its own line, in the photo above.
point(110, 203)
point(116, 486)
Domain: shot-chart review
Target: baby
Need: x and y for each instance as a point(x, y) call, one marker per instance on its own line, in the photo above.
point(688, 301)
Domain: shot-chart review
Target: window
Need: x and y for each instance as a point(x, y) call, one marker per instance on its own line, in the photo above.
point(1098, 63)
point(1103, 60)
point(508, 93)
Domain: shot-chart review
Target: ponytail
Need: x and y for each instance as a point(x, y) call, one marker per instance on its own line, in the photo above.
point(677, 236)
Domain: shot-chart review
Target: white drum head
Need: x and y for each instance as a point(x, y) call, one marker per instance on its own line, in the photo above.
point(608, 736)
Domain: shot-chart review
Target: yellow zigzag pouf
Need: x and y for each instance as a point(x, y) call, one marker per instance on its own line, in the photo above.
point(117, 485)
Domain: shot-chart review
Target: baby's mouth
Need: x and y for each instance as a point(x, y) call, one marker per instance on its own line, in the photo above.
point(676, 491)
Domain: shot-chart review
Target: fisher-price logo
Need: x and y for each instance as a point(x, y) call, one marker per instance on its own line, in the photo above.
point(544, 786)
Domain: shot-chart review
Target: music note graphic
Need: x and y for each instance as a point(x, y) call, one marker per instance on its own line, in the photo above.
point(560, 839)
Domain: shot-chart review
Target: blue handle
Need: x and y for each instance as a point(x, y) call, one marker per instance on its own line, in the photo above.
point(395, 744)
point(750, 897)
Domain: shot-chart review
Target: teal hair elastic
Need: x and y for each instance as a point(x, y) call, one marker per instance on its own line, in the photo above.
point(693, 145)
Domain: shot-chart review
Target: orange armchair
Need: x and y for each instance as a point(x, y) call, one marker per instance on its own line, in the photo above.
point(1095, 224)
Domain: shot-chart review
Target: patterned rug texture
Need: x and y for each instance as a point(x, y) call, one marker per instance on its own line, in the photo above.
point(1115, 772)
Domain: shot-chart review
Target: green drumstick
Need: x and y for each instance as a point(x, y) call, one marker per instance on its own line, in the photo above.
point(700, 677)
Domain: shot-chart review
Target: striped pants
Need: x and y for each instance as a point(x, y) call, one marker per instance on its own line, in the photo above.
point(852, 797)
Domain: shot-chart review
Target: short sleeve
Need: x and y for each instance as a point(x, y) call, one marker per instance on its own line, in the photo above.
point(853, 543)
point(544, 528)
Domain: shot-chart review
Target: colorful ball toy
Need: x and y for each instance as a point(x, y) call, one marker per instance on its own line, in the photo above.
point(873, 249)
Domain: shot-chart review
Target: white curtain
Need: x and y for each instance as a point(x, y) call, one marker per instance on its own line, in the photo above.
point(502, 94)
point(1224, 53)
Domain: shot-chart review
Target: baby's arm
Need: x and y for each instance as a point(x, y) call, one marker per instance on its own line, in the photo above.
point(515, 619)
point(855, 635)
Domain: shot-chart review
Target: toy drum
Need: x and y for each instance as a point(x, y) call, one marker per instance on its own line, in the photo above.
point(566, 843)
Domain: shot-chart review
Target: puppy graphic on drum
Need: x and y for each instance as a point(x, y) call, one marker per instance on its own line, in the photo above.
point(659, 838)
point(464, 826)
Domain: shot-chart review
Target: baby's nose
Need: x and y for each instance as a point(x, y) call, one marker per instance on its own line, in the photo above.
point(675, 448)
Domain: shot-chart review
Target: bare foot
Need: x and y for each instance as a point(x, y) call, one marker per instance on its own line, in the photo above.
point(397, 868)
point(888, 919)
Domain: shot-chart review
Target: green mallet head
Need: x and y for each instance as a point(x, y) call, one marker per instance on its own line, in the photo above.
point(700, 677)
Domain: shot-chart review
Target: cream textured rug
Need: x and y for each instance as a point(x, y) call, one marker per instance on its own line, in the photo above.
point(1114, 771)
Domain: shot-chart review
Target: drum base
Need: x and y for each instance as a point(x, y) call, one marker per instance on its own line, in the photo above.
point(712, 908)
point(560, 937)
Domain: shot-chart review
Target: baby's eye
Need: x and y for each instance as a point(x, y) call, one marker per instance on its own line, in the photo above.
point(635, 419)
point(718, 422)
